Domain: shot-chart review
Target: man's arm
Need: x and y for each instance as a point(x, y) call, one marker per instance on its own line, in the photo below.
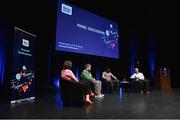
point(113, 76)
point(133, 76)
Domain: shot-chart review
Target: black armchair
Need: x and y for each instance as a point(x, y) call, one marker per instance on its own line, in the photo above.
point(141, 85)
point(71, 92)
point(106, 87)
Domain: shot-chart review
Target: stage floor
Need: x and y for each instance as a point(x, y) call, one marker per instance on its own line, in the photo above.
point(157, 104)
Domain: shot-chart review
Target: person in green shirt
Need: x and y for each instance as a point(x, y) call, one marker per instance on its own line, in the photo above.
point(87, 76)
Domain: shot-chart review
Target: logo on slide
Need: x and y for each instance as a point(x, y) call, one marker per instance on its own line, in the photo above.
point(66, 9)
point(25, 42)
point(111, 37)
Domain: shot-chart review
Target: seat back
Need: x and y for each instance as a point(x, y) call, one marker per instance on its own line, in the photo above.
point(71, 92)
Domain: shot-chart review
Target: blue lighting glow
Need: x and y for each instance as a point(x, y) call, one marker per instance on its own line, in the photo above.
point(98, 73)
point(133, 54)
point(151, 58)
point(58, 101)
point(56, 82)
point(152, 64)
point(77, 71)
point(3, 42)
point(1, 68)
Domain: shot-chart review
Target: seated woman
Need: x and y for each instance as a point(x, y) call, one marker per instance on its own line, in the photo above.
point(67, 74)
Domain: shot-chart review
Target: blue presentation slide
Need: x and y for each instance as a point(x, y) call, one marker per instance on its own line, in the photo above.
point(80, 31)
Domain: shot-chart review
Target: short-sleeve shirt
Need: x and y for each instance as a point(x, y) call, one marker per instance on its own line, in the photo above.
point(67, 74)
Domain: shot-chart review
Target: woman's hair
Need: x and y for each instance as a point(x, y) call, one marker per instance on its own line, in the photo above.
point(67, 64)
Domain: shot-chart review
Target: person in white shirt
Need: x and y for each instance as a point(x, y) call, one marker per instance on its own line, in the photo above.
point(139, 78)
point(111, 80)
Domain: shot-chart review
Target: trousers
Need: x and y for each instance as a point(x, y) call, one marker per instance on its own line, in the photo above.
point(97, 86)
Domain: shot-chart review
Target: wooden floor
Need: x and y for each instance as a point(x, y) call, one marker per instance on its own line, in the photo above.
point(157, 104)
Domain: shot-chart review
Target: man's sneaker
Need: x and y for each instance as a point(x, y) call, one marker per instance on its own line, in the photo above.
point(100, 95)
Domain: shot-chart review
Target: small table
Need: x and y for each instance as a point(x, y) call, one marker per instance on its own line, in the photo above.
point(124, 84)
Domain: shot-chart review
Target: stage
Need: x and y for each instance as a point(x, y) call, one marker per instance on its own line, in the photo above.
point(157, 104)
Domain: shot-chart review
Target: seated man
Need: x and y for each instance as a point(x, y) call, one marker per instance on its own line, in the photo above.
point(87, 76)
point(111, 80)
point(139, 78)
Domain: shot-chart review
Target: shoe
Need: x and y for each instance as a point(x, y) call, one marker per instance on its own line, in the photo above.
point(100, 95)
point(147, 92)
point(141, 92)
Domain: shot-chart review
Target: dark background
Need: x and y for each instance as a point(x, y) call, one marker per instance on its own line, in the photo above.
point(141, 21)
